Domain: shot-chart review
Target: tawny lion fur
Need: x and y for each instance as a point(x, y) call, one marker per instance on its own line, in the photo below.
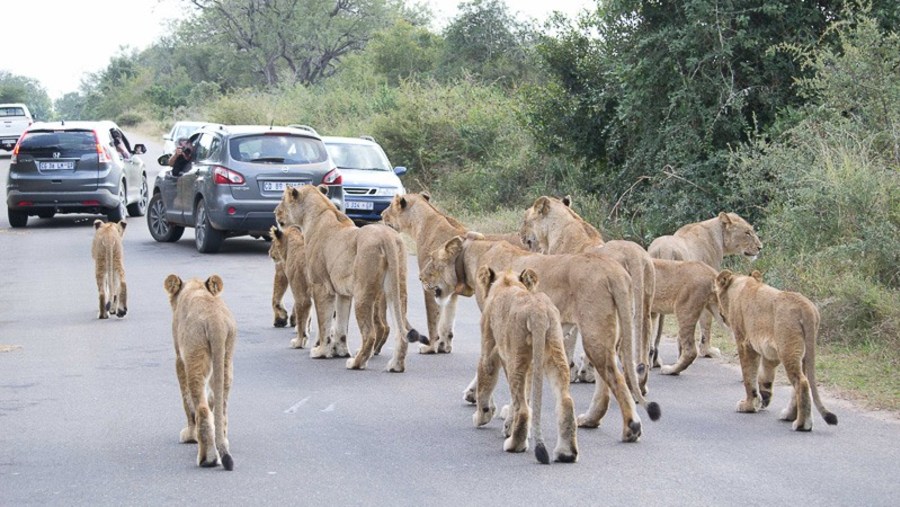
point(348, 264)
point(430, 228)
point(709, 242)
point(770, 327)
point(204, 331)
point(590, 292)
point(109, 269)
point(521, 331)
point(551, 226)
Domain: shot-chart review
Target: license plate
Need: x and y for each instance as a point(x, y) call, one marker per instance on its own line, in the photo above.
point(279, 186)
point(55, 166)
point(364, 205)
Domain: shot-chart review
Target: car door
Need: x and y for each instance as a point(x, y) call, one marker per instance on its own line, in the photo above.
point(133, 168)
point(192, 183)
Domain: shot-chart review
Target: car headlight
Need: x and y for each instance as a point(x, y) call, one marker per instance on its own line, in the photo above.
point(388, 192)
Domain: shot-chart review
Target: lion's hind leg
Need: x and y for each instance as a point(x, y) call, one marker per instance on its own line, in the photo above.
point(198, 370)
point(801, 396)
point(519, 417)
point(103, 292)
point(557, 371)
point(749, 370)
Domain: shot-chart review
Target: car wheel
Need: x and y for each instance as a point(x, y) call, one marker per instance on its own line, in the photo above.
point(117, 214)
point(17, 218)
point(209, 240)
point(139, 208)
point(160, 228)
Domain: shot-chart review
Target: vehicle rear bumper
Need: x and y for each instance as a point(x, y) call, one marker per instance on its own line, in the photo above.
point(379, 204)
point(8, 142)
point(246, 216)
point(68, 202)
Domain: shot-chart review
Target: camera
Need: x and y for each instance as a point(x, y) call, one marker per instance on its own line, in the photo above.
point(187, 152)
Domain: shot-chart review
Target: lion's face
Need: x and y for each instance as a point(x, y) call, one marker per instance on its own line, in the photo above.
point(438, 276)
point(739, 237)
point(278, 248)
point(528, 233)
point(391, 216)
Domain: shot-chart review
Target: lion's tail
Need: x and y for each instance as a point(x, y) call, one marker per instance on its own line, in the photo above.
point(218, 379)
point(810, 330)
point(395, 288)
point(625, 313)
point(539, 326)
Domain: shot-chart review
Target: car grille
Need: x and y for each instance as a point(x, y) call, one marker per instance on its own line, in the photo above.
point(359, 191)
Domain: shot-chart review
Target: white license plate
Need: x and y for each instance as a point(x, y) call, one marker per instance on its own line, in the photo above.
point(364, 205)
point(55, 166)
point(279, 186)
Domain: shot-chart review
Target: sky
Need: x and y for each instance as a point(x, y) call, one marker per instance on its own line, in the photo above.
point(78, 37)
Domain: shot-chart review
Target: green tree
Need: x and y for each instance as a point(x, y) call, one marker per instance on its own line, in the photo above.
point(485, 40)
point(27, 91)
point(405, 51)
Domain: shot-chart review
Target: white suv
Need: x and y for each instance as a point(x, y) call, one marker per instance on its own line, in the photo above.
point(14, 119)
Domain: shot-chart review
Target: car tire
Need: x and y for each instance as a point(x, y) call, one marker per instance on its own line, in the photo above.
point(161, 229)
point(117, 214)
point(139, 208)
point(17, 218)
point(208, 239)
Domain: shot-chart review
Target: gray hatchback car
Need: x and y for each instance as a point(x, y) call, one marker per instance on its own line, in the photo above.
point(236, 177)
point(75, 167)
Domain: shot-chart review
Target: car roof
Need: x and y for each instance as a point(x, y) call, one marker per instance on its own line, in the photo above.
point(259, 129)
point(346, 140)
point(73, 125)
point(192, 123)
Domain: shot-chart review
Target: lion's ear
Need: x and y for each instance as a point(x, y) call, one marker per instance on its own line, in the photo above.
point(426, 196)
point(98, 223)
point(724, 218)
point(214, 285)
point(529, 279)
point(724, 279)
point(567, 200)
point(454, 246)
point(122, 224)
point(172, 284)
point(486, 277)
point(542, 205)
point(757, 275)
point(292, 192)
point(402, 202)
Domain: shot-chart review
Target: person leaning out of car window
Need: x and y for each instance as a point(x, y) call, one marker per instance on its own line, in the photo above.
point(180, 161)
point(121, 144)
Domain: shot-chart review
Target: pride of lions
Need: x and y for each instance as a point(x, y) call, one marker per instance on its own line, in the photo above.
point(538, 290)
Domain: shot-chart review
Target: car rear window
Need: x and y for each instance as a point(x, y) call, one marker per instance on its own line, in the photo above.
point(68, 143)
point(11, 111)
point(277, 149)
point(358, 156)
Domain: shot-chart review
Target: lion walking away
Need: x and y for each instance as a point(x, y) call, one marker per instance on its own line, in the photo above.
point(205, 331)
point(109, 269)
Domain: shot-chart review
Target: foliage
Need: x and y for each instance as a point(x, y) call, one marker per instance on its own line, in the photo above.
point(831, 185)
point(26, 91)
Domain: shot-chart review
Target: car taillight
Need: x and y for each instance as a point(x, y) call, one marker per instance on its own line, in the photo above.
point(103, 155)
point(15, 152)
point(225, 176)
point(333, 177)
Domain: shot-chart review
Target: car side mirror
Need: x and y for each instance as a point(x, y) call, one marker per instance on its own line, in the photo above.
point(163, 160)
point(400, 170)
point(139, 149)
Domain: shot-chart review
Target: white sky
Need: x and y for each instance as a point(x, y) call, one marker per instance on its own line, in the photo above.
point(57, 42)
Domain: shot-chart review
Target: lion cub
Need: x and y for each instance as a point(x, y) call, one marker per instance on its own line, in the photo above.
point(521, 330)
point(204, 330)
point(777, 327)
point(109, 270)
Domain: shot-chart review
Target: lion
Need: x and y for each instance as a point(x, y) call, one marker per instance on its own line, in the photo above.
point(773, 326)
point(288, 250)
point(204, 331)
point(416, 216)
point(109, 269)
point(708, 241)
point(349, 264)
point(685, 289)
point(521, 331)
point(591, 292)
point(551, 226)
point(279, 287)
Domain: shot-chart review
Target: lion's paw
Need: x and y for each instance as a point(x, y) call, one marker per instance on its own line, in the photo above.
point(298, 342)
point(510, 445)
point(668, 369)
point(804, 426)
point(395, 366)
point(713, 352)
point(750, 406)
point(188, 435)
point(586, 422)
point(482, 416)
point(632, 431)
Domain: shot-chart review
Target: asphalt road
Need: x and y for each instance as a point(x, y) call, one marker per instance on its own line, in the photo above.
point(90, 411)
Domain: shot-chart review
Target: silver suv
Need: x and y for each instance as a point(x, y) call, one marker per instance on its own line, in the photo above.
point(236, 177)
point(75, 167)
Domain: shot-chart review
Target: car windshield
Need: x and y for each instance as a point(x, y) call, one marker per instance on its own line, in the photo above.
point(277, 148)
point(68, 143)
point(185, 131)
point(358, 156)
